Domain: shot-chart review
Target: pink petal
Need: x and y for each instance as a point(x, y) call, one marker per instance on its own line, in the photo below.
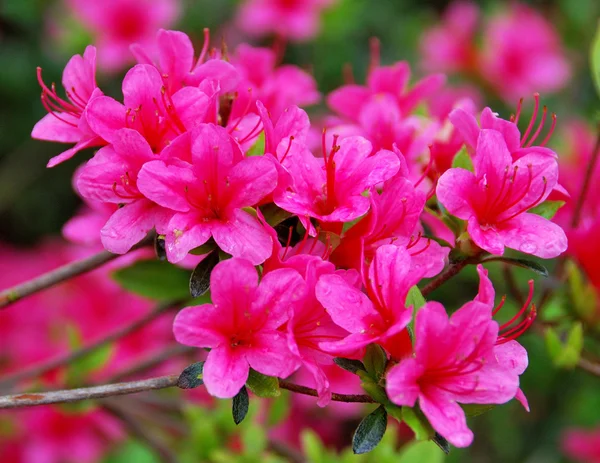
point(199, 326)
point(105, 116)
point(389, 79)
point(348, 100)
point(402, 382)
point(141, 85)
point(522, 399)
point(242, 235)
point(533, 234)
point(509, 130)
point(166, 185)
point(455, 190)
point(79, 78)
point(68, 154)
point(233, 284)
point(51, 128)
point(491, 158)
point(225, 371)
point(466, 124)
point(192, 106)
point(250, 181)
point(513, 356)
point(270, 355)
point(186, 232)
point(447, 418)
point(349, 346)
point(176, 54)
point(486, 291)
point(128, 226)
point(321, 383)
point(487, 238)
point(219, 70)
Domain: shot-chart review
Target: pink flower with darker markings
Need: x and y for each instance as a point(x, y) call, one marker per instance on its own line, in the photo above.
point(496, 197)
point(241, 325)
point(119, 23)
point(466, 358)
point(291, 19)
point(208, 194)
point(332, 189)
point(377, 316)
point(66, 121)
point(111, 176)
point(522, 53)
point(148, 108)
point(582, 445)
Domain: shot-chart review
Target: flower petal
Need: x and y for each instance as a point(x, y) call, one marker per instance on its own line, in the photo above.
point(225, 371)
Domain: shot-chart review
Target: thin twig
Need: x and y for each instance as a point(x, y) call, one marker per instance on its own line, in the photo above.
point(589, 366)
point(451, 271)
point(64, 273)
point(141, 432)
point(87, 393)
point(38, 370)
point(349, 398)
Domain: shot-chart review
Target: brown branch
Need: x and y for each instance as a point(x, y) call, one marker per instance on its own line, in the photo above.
point(589, 366)
point(138, 430)
point(450, 272)
point(349, 398)
point(40, 369)
point(87, 393)
point(66, 272)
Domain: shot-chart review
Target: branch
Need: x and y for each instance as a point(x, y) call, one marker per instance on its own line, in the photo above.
point(589, 366)
point(348, 398)
point(451, 271)
point(40, 369)
point(64, 273)
point(87, 393)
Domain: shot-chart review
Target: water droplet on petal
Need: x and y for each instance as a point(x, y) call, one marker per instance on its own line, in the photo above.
point(528, 247)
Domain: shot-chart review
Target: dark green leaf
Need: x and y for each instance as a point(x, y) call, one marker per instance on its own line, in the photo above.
point(240, 405)
point(262, 385)
point(154, 279)
point(159, 247)
point(463, 160)
point(207, 247)
point(441, 443)
point(375, 360)
point(373, 389)
point(273, 214)
point(547, 209)
point(524, 263)
point(415, 420)
point(476, 409)
point(200, 278)
point(370, 431)
point(349, 364)
point(191, 377)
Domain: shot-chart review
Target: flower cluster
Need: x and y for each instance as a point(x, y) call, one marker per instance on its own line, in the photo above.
point(215, 154)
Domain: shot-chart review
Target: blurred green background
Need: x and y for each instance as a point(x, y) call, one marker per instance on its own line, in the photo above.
point(35, 201)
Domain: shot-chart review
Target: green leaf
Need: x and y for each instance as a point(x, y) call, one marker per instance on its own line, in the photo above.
point(476, 409)
point(191, 377)
point(262, 385)
point(547, 209)
point(415, 299)
point(133, 452)
point(567, 354)
point(351, 365)
point(254, 441)
point(273, 214)
point(415, 420)
point(523, 263)
point(279, 409)
point(441, 442)
point(313, 447)
point(375, 361)
point(574, 344)
point(258, 149)
point(370, 431)
point(91, 362)
point(374, 390)
point(200, 278)
point(583, 296)
point(463, 160)
point(420, 452)
point(595, 59)
point(155, 280)
point(239, 407)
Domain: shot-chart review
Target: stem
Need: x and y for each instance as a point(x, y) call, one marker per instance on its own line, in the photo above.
point(40, 369)
point(348, 398)
point(66, 272)
point(87, 393)
point(451, 271)
point(589, 366)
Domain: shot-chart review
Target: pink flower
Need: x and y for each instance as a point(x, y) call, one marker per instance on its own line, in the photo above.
point(522, 54)
point(459, 359)
point(119, 23)
point(111, 177)
point(379, 316)
point(450, 46)
point(277, 87)
point(293, 19)
point(582, 445)
point(240, 326)
point(495, 199)
point(208, 195)
point(149, 109)
point(66, 120)
point(331, 190)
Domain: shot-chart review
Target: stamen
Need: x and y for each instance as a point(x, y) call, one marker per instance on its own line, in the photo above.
point(289, 241)
point(547, 138)
point(245, 112)
point(375, 47)
point(288, 149)
point(427, 168)
point(253, 133)
point(422, 249)
point(539, 129)
point(529, 206)
point(519, 106)
point(204, 47)
point(536, 97)
point(499, 306)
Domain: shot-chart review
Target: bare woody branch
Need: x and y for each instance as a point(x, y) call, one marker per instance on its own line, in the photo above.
point(64, 273)
point(38, 370)
point(348, 398)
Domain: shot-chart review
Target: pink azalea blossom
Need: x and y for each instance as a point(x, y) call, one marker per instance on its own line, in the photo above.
point(582, 445)
point(111, 177)
point(331, 189)
point(379, 316)
point(450, 46)
point(240, 326)
point(466, 358)
point(522, 54)
point(496, 197)
point(66, 121)
point(292, 19)
point(209, 193)
point(119, 23)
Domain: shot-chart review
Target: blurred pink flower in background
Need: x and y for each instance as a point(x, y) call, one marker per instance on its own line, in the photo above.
point(582, 445)
point(291, 19)
point(117, 24)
